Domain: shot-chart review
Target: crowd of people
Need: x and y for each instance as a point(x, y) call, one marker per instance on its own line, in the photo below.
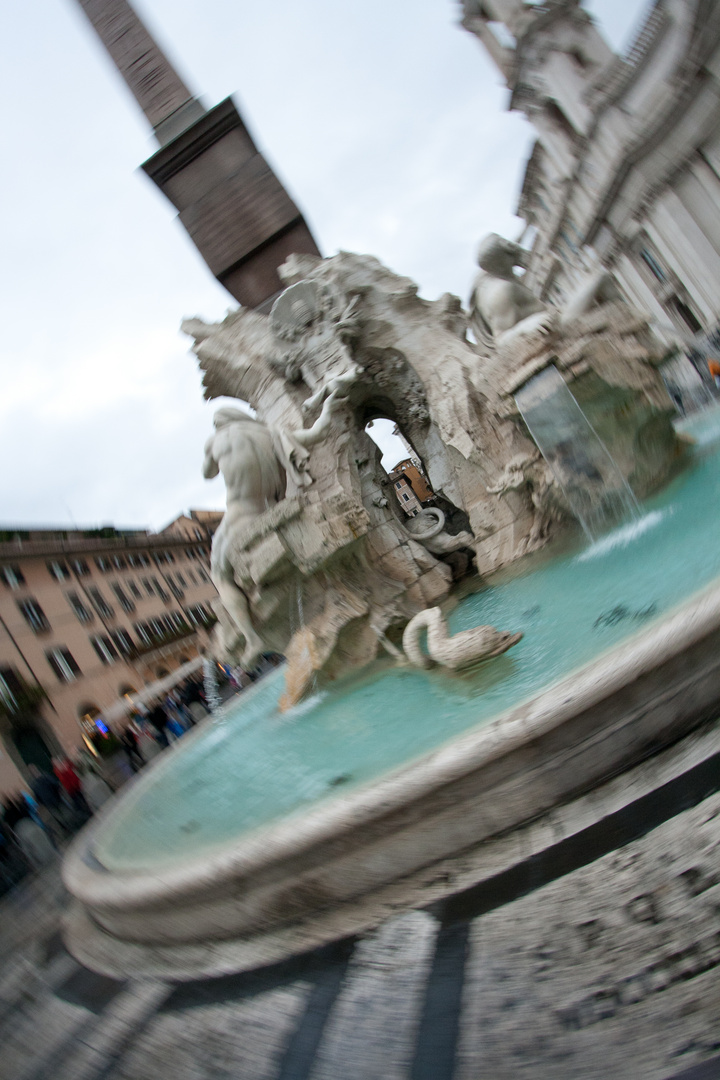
point(62, 796)
point(34, 822)
point(152, 728)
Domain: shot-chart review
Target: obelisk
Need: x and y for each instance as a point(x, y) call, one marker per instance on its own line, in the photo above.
point(236, 211)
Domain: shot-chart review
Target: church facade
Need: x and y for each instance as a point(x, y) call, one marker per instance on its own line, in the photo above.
point(625, 169)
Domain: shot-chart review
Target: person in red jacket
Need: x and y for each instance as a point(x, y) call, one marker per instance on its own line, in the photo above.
point(70, 782)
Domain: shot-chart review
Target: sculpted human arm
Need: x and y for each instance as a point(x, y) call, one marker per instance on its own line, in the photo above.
point(310, 436)
point(210, 465)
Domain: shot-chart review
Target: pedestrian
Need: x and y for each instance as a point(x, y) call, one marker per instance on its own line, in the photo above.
point(148, 745)
point(32, 840)
point(70, 782)
point(158, 718)
point(95, 789)
point(47, 793)
point(129, 740)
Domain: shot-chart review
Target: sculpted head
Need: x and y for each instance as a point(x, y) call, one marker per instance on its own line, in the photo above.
point(496, 255)
point(226, 416)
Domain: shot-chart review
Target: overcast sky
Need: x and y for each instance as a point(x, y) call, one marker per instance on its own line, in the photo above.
point(386, 122)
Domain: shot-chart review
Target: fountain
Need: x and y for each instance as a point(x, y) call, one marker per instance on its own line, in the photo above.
point(302, 812)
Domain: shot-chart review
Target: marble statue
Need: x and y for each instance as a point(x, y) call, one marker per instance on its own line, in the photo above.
point(461, 650)
point(255, 461)
point(242, 449)
point(316, 329)
point(502, 307)
point(500, 304)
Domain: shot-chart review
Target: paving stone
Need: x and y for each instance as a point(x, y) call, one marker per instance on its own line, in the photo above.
point(40, 1032)
point(238, 1040)
point(608, 971)
point(371, 1031)
point(25, 982)
point(99, 1046)
point(32, 910)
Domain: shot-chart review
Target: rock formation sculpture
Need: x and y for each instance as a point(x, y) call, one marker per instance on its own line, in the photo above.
point(313, 559)
point(461, 650)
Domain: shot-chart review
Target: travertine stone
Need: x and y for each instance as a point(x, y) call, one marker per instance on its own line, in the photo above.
point(296, 883)
point(619, 957)
point(313, 560)
point(242, 1038)
point(348, 341)
point(467, 647)
point(372, 1028)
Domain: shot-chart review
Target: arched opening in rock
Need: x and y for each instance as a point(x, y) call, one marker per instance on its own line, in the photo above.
point(409, 486)
point(406, 475)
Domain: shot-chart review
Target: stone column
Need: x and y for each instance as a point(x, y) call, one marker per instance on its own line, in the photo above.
point(149, 75)
point(234, 208)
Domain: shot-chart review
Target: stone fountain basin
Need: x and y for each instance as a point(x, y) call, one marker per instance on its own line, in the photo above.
point(297, 883)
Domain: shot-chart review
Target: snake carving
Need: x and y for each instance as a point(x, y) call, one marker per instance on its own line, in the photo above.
point(428, 528)
point(460, 650)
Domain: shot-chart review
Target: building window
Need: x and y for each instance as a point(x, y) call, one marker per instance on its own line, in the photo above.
point(191, 553)
point(653, 265)
point(405, 496)
point(12, 576)
point(118, 562)
point(175, 589)
point(142, 633)
point(178, 621)
point(63, 664)
point(163, 557)
point(34, 615)
point(124, 642)
point(132, 586)
point(398, 483)
point(159, 589)
point(686, 314)
point(202, 574)
point(138, 560)
point(125, 602)
point(103, 564)
point(83, 613)
point(101, 604)
point(181, 581)
point(59, 570)
point(80, 567)
point(104, 647)
point(11, 687)
point(199, 615)
point(191, 576)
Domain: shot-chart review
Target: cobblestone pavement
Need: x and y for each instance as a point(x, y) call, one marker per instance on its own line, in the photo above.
point(596, 962)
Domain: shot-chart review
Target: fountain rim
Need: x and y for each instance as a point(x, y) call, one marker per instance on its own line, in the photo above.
point(108, 889)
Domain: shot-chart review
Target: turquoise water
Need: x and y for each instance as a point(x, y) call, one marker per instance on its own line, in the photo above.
point(254, 765)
